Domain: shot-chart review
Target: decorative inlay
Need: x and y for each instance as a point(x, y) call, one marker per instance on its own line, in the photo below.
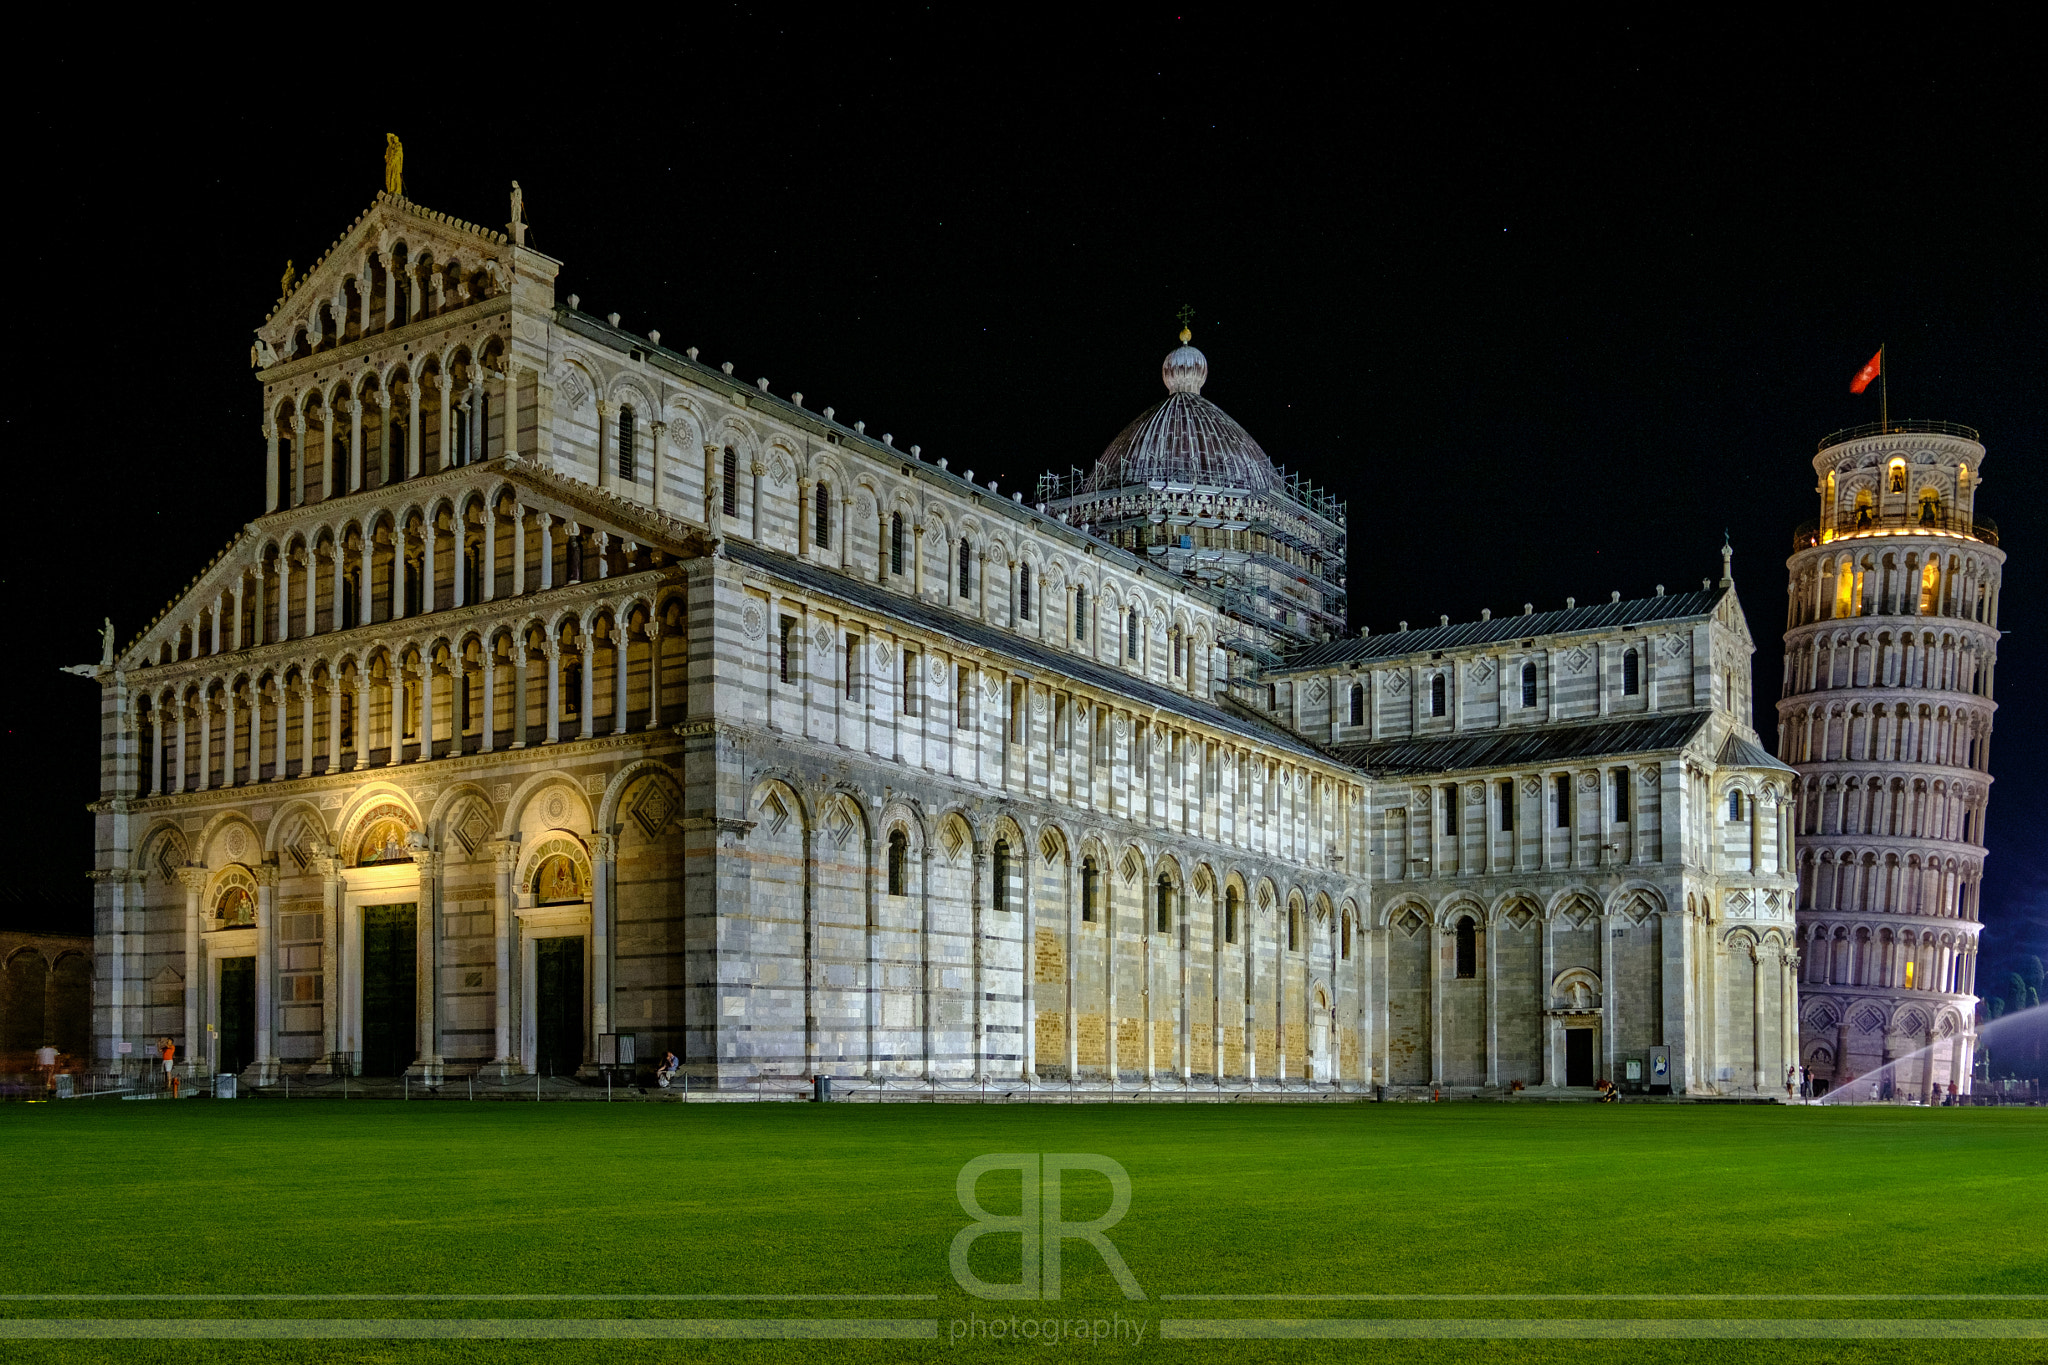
point(938, 670)
point(237, 843)
point(555, 808)
point(1576, 661)
point(1531, 787)
point(1316, 690)
point(653, 807)
point(752, 622)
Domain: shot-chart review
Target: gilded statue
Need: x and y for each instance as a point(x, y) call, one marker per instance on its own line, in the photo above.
point(284, 287)
point(394, 166)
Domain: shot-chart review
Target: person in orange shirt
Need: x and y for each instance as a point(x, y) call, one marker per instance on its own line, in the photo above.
point(170, 1054)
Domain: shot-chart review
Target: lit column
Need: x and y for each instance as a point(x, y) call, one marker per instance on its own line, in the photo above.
point(331, 889)
point(355, 444)
point(284, 596)
point(282, 738)
point(714, 493)
point(587, 656)
point(395, 684)
point(156, 748)
point(488, 589)
point(334, 719)
point(430, 538)
point(362, 725)
point(298, 460)
point(604, 869)
point(653, 673)
point(306, 719)
point(916, 559)
point(552, 648)
point(521, 655)
point(426, 752)
point(266, 966)
point(504, 854)
point(428, 937)
point(227, 739)
point(758, 470)
point(1756, 957)
point(604, 442)
point(413, 454)
point(1028, 1018)
point(621, 656)
point(401, 557)
point(547, 549)
point(846, 532)
point(518, 549)
point(489, 729)
point(803, 517)
point(660, 430)
point(194, 879)
point(271, 491)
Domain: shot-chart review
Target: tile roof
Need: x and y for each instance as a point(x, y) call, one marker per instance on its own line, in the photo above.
point(1738, 752)
point(1522, 747)
point(1601, 616)
point(1030, 655)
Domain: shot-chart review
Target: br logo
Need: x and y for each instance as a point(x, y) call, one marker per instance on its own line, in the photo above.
point(1039, 1219)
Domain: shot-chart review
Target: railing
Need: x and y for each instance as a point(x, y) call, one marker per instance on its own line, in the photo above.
point(1811, 533)
point(1888, 428)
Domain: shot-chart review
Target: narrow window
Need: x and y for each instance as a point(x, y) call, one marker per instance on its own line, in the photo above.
point(821, 530)
point(1909, 973)
point(895, 542)
point(731, 489)
point(899, 850)
point(1358, 703)
point(782, 646)
point(1002, 874)
point(1436, 695)
point(461, 452)
point(1230, 915)
point(1016, 713)
point(626, 464)
point(1090, 877)
point(1528, 685)
point(1024, 592)
point(963, 695)
point(1347, 938)
point(1293, 929)
point(853, 668)
point(1468, 949)
point(1131, 630)
point(1631, 673)
point(966, 559)
point(1080, 613)
point(913, 700)
point(1163, 912)
point(1621, 796)
point(1734, 805)
point(1563, 785)
point(1451, 810)
point(1507, 806)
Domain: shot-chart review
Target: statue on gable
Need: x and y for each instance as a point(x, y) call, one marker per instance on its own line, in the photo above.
point(284, 286)
point(394, 166)
point(517, 227)
point(107, 645)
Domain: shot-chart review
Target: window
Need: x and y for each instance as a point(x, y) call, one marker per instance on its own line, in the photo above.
point(626, 466)
point(1091, 876)
point(338, 474)
point(1468, 949)
point(1002, 874)
point(1621, 796)
point(1528, 686)
point(1230, 903)
point(896, 542)
point(899, 855)
point(821, 503)
point(913, 699)
point(1024, 592)
point(1898, 484)
point(853, 668)
point(1163, 910)
point(394, 452)
point(966, 559)
point(1507, 806)
point(1436, 695)
point(1358, 703)
point(1131, 634)
point(461, 424)
point(1631, 673)
point(1563, 800)
point(1909, 973)
point(1451, 810)
point(788, 627)
point(284, 471)
point(572, 555)
point(1293, 928)
point(731, 491)
point(1734, 805)
point(1347, 938)
point(1080, 613)
point(963, 695)
point(1016, 713)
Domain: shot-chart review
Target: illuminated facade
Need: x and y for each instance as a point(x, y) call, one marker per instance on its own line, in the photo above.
point(1891, 650)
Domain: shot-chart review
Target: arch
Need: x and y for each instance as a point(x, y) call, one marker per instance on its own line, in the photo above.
point(530, 790)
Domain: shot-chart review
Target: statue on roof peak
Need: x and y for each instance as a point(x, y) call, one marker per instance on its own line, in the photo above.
point(517, 227)
point(394, 166)
point(284, 286)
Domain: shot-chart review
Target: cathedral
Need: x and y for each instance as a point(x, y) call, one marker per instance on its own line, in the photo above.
point(571, 687)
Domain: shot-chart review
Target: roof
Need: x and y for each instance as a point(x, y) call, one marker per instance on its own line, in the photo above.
point(1738, 752)
point(1030, 655)
point(1603, 616)
point(1185, 439)
point(1521, 747)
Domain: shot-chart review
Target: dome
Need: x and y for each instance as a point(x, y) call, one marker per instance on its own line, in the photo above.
point(1185, 440)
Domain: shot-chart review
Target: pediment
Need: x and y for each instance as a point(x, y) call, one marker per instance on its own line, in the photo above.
point(455, 260)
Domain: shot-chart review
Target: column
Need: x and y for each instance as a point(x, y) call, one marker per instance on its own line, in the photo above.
point(430, 538)
point(547, 549)
point(312, 563)
point(714, 496)
point(488, 589)
point(505, 854)
point(1756, 956)
point(846, 532)
point(298, 461)
point(1028, 1045)
point(281, 757)
point(803, 518)
point(654, 674)
point(426, 692)
point(227, 740)
point(401, 555)
point(396, 686)
point(364, 615)
point(917, 560)
point(518, 549)
point(362, 726)
point(621, 654)
point(194, 879)
point(156, 749)
point(587, 677)
point(520, 658)
point(333, 722)
point(413, 454)
point(553, 650)
point(427, 937)
point(604, 869)
point(266, 967)
point(331, 888)
point(660, 433)
point(1074, 887)
point(355, 444)
point(240, 588)
point(759, 470)
point(284, 598)
point(327, 488)
point(489, 667)
point(604, 444)
point(271, 491)
point(458, 537)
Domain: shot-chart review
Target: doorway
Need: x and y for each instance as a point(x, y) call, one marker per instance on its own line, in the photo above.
point(237, 1014)
point(390, 990)
point(558, 1013)
point(1578, 1056)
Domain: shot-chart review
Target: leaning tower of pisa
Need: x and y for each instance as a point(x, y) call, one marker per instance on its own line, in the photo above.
point(1891, 648)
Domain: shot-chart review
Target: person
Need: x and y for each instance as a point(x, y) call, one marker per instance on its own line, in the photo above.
point(46, 1062)
point(670, 1065)
point(170, 1055)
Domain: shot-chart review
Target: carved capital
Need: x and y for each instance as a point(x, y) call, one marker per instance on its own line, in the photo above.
point(604, 848)
point(266, 874)
point(194, 878)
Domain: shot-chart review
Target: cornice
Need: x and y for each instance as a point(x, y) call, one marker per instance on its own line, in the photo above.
point(1872, 696)
point(397, 336)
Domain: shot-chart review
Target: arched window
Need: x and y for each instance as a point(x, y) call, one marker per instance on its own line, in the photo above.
point(1507, 806)
point(626, 445)
point(1231, 901)
point(1080, 613)
point(1898, 476)
point(1621, 796)
point(394, 451)
point(1468, 949)
point(337, 473)
point(895, 542)
point(731, 490)
point(1293, 928)
point(1091, 878)
point(1358, 703)
point(557, 881)
point(1563, 785)
point(1528, 685)
point(1131, 633)
point(1176, 652)
point(1163, 913)
point(1735, 805)
point(1450, 810)
point(1024, 591)
point(1347, 938)
point(966, 566)
point(1631, 673)
point(821, 528)
point(1436, 695)
point(1002, 874)
point(899, 858)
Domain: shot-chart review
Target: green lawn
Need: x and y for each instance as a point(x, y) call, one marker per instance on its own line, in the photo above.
point(372, 1198)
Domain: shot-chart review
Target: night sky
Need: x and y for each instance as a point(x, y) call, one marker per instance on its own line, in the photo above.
point(1551, 307)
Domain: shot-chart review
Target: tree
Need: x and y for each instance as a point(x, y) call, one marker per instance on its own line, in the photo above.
point(2030, 968)
point(1995, 1006)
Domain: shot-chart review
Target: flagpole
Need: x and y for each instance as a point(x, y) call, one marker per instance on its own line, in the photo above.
point(1884, 396)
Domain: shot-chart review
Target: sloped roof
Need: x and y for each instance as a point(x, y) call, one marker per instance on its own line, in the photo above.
point(1029, 654)
point(1524, 747)
point(1601, 616)
point(1737, 752)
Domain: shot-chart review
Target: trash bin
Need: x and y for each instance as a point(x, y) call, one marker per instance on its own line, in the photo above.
point(224, 1086)
point(64, 1091)
point(821, 1089)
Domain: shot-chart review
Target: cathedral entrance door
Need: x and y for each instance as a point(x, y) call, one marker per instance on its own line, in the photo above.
point(558, 1018)
point(1578, 1056)
point(390, 990)
point(237, 1014)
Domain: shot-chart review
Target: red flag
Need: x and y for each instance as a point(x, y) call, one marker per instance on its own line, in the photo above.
point(1868, 372)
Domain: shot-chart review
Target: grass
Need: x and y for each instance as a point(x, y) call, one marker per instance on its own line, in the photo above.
point(638, 1200)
